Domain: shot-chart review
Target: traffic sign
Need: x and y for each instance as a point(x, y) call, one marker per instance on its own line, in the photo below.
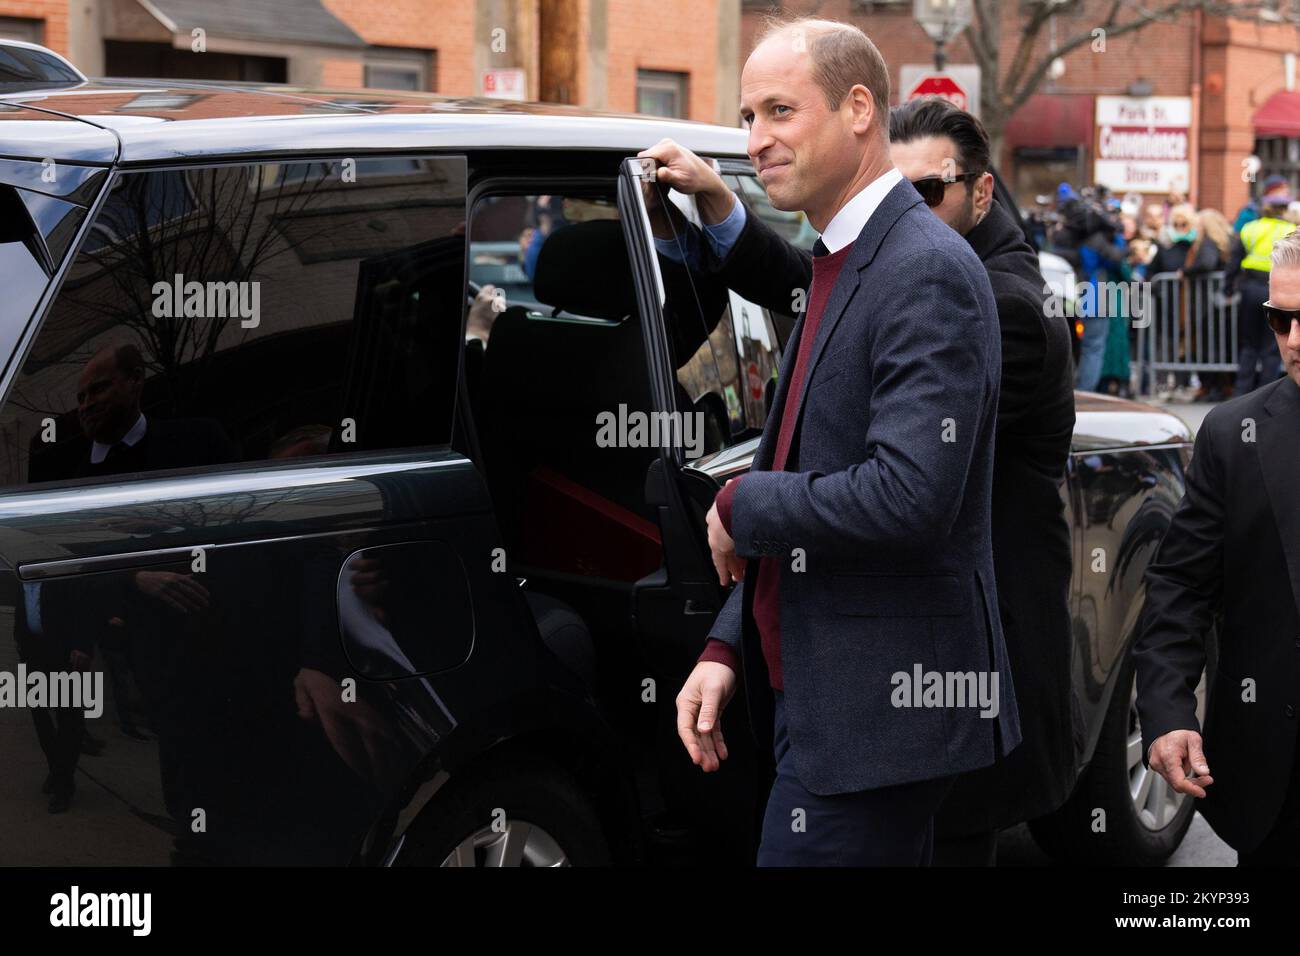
point(958, 83)
point(942, 86)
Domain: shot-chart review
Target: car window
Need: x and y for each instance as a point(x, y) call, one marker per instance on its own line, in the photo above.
point(508, 235)
point(792, 226)
point(248, 313)
point(731, 377)
point(24, 262)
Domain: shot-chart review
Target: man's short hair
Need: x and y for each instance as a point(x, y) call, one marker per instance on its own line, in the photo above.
point(1286, 251)
point(842, 57)
point(923, 118)
point(129, 360)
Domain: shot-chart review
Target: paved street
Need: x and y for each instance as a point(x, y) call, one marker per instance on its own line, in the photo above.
point(1199, 848)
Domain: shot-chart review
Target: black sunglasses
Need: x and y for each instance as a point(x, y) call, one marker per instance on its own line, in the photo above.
point(1279, 320)
point(932, 188)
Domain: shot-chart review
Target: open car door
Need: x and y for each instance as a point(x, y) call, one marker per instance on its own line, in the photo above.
point(685, 316)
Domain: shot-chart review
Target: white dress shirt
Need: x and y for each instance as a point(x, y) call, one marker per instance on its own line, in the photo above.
point(846, 225)
point(99, 451)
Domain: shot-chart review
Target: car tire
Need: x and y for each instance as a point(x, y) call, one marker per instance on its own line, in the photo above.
point(525, 812)
point(1072, 834)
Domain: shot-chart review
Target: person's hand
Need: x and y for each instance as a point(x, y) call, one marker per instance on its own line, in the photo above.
point(706, 692)
point(180, 592)
point(689, 174)
point(483, 312)
point(358, 733)
point(1177, 754)
point(729, 565)
point(79, 660)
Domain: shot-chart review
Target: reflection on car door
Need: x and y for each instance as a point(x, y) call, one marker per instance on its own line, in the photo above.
point(273, 565)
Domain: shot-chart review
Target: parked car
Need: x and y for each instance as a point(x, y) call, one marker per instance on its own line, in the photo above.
point(365, 592)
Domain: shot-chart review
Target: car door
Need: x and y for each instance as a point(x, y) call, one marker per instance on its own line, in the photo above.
point(729, 377)
point(275, 567)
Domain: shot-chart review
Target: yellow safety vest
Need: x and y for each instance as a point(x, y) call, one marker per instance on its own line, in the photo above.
point(1258, 237)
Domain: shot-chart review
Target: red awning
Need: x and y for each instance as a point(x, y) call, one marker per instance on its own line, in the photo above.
point(1052, 119)
point(1279, 116)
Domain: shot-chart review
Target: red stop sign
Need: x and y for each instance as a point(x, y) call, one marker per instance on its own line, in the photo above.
point(944, 87)
point(755, 381)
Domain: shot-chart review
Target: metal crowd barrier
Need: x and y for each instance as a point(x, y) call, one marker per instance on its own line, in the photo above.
point(1191, 328)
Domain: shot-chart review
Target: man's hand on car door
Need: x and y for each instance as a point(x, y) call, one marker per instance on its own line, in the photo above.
point(692, 176)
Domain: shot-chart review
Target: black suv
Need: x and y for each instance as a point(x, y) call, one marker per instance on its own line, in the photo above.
point(371, 582)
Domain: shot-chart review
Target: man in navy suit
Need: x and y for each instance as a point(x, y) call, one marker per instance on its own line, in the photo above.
point(861, 536)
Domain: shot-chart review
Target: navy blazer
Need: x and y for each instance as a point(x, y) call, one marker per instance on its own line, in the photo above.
point(887, 496)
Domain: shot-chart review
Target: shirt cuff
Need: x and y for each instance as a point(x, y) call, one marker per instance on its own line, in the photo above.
point(724, 500)
point(723, 235)
point(720, 652)
point(685, 242)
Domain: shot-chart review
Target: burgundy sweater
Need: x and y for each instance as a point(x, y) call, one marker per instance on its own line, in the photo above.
point(767, 611)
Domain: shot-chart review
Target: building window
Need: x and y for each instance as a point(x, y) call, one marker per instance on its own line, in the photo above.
point(153, 102)
point(1278, 156)
point(17, 28)
point(660, 93)
point(405, 70)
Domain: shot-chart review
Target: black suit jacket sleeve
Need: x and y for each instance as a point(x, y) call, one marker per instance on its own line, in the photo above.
point(694, 304)
point(1025, 356)
point(1184, 593)
point(764, 268)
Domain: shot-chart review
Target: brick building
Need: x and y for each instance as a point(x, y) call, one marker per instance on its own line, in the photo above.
point(1225, 88)
point(670, 57)
point(1234, 80)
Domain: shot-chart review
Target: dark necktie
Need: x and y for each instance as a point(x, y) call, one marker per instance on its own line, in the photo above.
point(819, 249)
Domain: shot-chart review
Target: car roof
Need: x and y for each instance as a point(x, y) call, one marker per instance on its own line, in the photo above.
point(148, 121)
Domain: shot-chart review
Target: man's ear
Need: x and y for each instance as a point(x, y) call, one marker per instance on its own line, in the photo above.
point(983, 194)
point(863, 106)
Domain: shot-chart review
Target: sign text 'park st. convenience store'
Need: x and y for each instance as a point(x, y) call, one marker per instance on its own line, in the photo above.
point(1143, 143)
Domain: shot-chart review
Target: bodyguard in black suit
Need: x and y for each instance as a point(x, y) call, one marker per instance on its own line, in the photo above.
point(1231, 562)
point(1031, 536)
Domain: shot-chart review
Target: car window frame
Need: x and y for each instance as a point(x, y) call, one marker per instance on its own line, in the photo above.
point(16, 343)
point(484, 184)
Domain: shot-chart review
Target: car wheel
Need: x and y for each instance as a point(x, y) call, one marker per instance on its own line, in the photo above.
point(523, 813)
point(1121, 813)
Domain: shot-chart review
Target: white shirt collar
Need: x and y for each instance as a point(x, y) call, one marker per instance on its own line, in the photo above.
point(846, 225)
point(99, 451)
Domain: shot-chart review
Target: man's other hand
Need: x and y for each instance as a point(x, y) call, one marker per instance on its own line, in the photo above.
point(1176, 755)
point(699, 713)
point(180, 592)
point(687, 173)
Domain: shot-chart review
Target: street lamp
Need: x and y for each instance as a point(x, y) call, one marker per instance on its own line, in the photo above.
point(942, 20)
